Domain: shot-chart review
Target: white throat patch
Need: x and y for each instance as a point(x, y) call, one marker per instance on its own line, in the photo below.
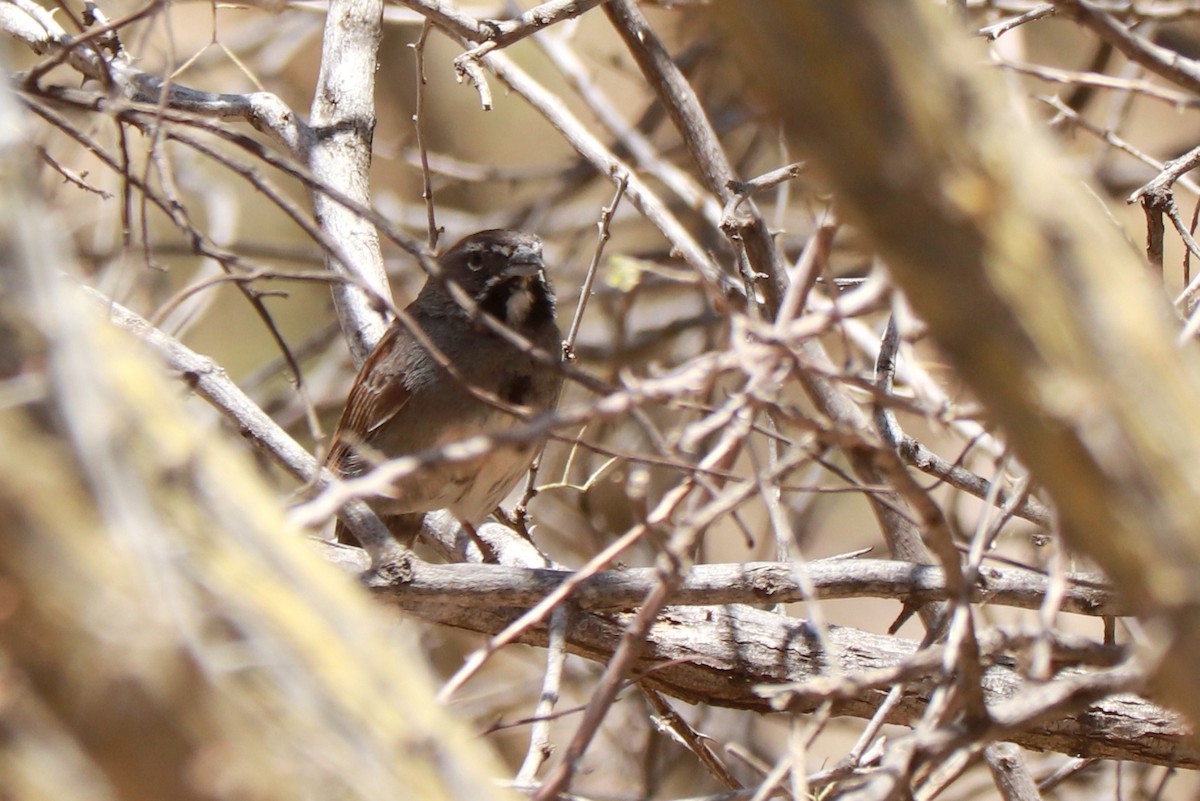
point(516, 309)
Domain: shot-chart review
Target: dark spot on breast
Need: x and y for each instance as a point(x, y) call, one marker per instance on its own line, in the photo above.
point(516, 389)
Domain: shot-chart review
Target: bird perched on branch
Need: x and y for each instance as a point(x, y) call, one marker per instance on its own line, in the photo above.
point(454, 377)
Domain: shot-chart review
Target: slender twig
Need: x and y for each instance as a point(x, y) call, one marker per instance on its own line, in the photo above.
point(501, 33)
point(602, 235)
point(631, 139)
point(1172, 97)
point(749, 232)
point(996, 30)
point(917, 455)
point(69, 175)
point(418, 119)
point(690, 739)
point(1162, 61)
point(539, 735)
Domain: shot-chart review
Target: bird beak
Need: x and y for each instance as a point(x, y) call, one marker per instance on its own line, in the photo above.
point(525, 262)
point(522, 270)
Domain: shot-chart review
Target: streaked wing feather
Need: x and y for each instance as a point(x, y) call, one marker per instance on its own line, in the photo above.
point(372, 402)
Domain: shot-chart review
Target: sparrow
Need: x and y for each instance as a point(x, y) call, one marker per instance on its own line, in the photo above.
point(405, 400)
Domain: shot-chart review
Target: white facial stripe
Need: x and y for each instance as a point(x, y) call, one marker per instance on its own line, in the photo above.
point(505, 250)
point(490, 247)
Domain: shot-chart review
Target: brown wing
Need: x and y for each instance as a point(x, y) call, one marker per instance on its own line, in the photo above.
point(378, 394)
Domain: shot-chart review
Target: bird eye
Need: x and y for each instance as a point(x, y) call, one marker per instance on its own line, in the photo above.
point(475, 262)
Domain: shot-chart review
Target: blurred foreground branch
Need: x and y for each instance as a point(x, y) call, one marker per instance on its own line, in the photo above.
point(167, 635)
